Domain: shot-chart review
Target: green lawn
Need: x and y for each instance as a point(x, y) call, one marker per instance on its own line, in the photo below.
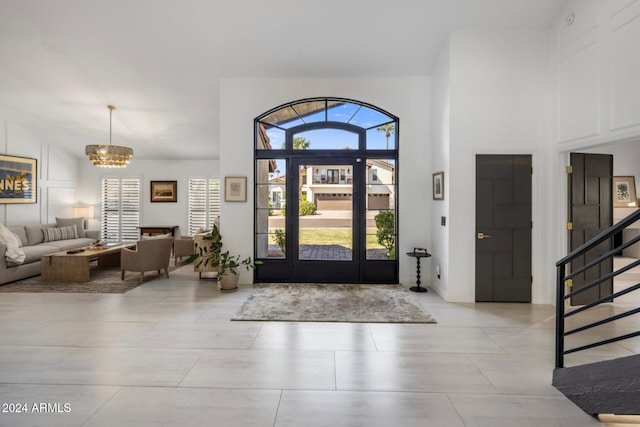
point(333, 236)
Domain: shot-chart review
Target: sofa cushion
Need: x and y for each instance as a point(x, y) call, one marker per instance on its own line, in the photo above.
point(78, 222)
point(60, 233)
point(35, 234)
point(13, 254)
point(18, 230)
point(34, 253)
point(65, 245)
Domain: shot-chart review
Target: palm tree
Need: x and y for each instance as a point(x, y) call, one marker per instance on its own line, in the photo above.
point(301, 143)
point(388, 129)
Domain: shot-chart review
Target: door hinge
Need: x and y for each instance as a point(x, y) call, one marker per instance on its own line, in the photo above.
point(531, 279)
point(569, 226)
point(531, 170)
point(568, 282)
point(569, 169)
point(532, 225)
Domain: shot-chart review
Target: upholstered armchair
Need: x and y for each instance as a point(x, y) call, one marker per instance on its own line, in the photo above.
point(149, 255)
point(182, 247)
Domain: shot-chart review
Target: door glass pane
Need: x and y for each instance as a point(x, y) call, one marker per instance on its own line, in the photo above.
point(271, 190)
point(382, 137)
point(325, 215)
point(368, 117)
point(312, 111)
point(381, 204)
point(270, 137)
point(325, 139)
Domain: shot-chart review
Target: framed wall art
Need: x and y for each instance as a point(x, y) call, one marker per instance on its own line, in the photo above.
point(438, 186)
point(164, 191)
point(18, 176)
point(624, 192)
point(235, 188)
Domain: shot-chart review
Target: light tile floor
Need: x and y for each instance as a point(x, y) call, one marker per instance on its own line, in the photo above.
point(166, 354)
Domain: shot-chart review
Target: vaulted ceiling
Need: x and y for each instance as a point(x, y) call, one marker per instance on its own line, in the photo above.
point(160, 61)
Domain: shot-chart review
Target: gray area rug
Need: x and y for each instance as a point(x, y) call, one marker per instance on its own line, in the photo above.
point(293, 302)
point(103, 280)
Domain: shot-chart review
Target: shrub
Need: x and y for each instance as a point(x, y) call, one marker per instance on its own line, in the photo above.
point(281, 239)
point(307, 208)
point(386, 223)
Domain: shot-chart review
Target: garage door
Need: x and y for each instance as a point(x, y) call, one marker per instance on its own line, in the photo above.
point(333, 202)
point(378, 201)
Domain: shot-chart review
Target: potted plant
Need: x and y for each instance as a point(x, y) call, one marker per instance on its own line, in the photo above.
point(229, 266)
point(210, 255)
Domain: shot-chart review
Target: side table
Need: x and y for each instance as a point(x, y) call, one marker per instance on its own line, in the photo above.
point(417, 254)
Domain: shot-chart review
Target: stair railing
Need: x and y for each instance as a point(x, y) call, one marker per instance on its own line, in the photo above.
point(563, 278)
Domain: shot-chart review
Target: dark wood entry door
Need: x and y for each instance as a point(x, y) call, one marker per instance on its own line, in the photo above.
point(590, 212)
point(503, 228)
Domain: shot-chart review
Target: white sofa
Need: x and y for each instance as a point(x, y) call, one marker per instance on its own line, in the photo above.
point(32, 239)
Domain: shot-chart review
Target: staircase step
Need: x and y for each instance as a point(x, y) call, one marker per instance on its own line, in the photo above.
point(609, 387)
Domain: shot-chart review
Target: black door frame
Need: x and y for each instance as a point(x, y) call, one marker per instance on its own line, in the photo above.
point(326, 270)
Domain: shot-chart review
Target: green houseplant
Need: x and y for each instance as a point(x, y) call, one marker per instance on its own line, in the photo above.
point(225, 263)
point(229, 266)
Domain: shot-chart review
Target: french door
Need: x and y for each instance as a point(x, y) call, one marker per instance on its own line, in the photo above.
point(326, 193)
point(326, 218)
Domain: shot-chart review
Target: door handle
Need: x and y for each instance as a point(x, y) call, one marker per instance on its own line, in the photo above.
point(483, 236)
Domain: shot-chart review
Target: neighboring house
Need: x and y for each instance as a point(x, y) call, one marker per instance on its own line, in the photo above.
point(330, 186)
point(277, 194)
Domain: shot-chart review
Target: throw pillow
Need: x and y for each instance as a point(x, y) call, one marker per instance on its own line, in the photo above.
point(14, 254)
point(60, 233)
point(78, 222)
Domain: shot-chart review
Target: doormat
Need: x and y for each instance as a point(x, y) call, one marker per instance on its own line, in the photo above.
point(301, 302)
point(103, 281)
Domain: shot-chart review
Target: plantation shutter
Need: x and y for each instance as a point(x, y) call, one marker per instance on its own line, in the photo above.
point(120, 209)
point(130, 209)
point(111, 210)
point(204, 203)
point(214, 201)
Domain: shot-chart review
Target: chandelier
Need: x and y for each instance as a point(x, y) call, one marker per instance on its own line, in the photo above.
point(109, 156)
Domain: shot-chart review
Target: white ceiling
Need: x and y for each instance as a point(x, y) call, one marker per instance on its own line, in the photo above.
point(160, 61)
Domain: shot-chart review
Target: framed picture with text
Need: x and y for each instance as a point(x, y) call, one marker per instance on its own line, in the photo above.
point(18, 176)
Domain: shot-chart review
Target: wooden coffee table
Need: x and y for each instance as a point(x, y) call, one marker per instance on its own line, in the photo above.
point(64, 267)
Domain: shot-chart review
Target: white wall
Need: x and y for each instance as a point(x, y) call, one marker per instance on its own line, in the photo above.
point(57, 176)
point(597, 69)
point(149, 170)
point(241, 100)
point(439, 161)
point(499, 95)
point(597, 90)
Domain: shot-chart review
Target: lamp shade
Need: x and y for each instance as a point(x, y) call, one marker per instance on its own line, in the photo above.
point(82, 211)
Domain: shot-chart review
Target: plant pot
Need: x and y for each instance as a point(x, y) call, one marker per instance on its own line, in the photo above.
point(228, 282)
